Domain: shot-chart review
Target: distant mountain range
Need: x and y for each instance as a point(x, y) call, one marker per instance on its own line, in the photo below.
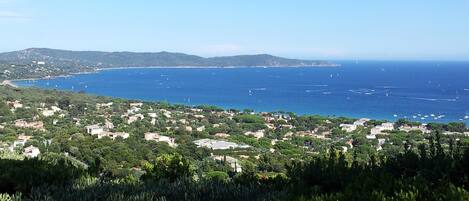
point(97, 59)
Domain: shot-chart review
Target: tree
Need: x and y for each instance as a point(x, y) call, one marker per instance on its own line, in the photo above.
point(456, 127)
point(169, 167)
point(64, 103)
point(217, 176)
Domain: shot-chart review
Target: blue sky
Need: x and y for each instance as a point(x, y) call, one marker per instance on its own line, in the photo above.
point(332, 29)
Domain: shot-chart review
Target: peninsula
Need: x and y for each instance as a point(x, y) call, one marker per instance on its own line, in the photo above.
point(44, 62)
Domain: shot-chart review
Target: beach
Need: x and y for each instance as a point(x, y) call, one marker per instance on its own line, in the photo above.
point(8, 83)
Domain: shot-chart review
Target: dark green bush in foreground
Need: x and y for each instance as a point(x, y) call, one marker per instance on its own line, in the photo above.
point(432, 174)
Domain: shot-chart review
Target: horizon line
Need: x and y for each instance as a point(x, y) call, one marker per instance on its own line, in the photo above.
point(332, 58)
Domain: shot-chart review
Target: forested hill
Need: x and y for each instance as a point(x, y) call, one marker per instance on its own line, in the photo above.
point(132, 59)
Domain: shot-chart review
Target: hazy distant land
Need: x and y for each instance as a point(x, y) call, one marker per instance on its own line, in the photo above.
point(43, 62)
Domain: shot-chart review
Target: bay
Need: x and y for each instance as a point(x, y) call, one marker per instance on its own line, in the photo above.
point(426, 91)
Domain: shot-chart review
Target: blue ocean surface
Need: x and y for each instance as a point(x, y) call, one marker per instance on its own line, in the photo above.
point(427, 91)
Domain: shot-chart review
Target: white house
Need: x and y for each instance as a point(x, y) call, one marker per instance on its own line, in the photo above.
point(218, 144)
point(94, 129)
point(379, 129)
point(370, 136)
point(199, 116)
point(50, 112)
point(361, 122)
point(15, 104)
point(136, 104)
point(200, 129)
point(348, 127)
point(31, 152)
point(152, 115)
point(21, 140)
point(47, 113)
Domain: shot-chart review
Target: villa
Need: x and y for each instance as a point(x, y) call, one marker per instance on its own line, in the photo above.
point(348, 127)
point(361, 122)
point(199, 116)
point(166, 113)
point(422, 128)
point(15, 104)
point(21, 141)
point(47, 113)
point(101, 132)
point(257, 134)
point(31, 152)
point(136, 104)
point(21, 123)
point(103, 105)
point(218, 144)
point(113, 135)
point(222, 135)
point(133, 110)
point(152, 115)
point(135, 118)
point(160, 138)
point(200, 129)
point(380, 144)
point(383, 127)
point(94, 129)
point(50, 112)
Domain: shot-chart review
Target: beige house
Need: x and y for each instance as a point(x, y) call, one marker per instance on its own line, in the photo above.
point(21, 123)
point(257, 134)
point(222, 135)
point(160, 138)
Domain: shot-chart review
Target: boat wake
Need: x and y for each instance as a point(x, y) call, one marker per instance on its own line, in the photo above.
point(362, 91)
point(435, 99)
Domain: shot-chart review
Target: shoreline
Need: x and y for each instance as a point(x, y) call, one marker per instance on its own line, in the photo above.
point(221, 67)
point(9, 83)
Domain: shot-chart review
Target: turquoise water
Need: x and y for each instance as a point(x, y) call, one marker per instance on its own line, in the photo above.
point(420, 91)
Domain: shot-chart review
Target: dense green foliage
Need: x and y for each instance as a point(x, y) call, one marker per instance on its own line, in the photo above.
point(431, 174)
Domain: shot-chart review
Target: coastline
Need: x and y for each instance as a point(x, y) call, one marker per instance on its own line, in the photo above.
point(96, 70)
point(10, 82)
point(221, 67)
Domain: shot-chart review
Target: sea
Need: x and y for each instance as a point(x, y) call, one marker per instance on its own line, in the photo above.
point(424, 91)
